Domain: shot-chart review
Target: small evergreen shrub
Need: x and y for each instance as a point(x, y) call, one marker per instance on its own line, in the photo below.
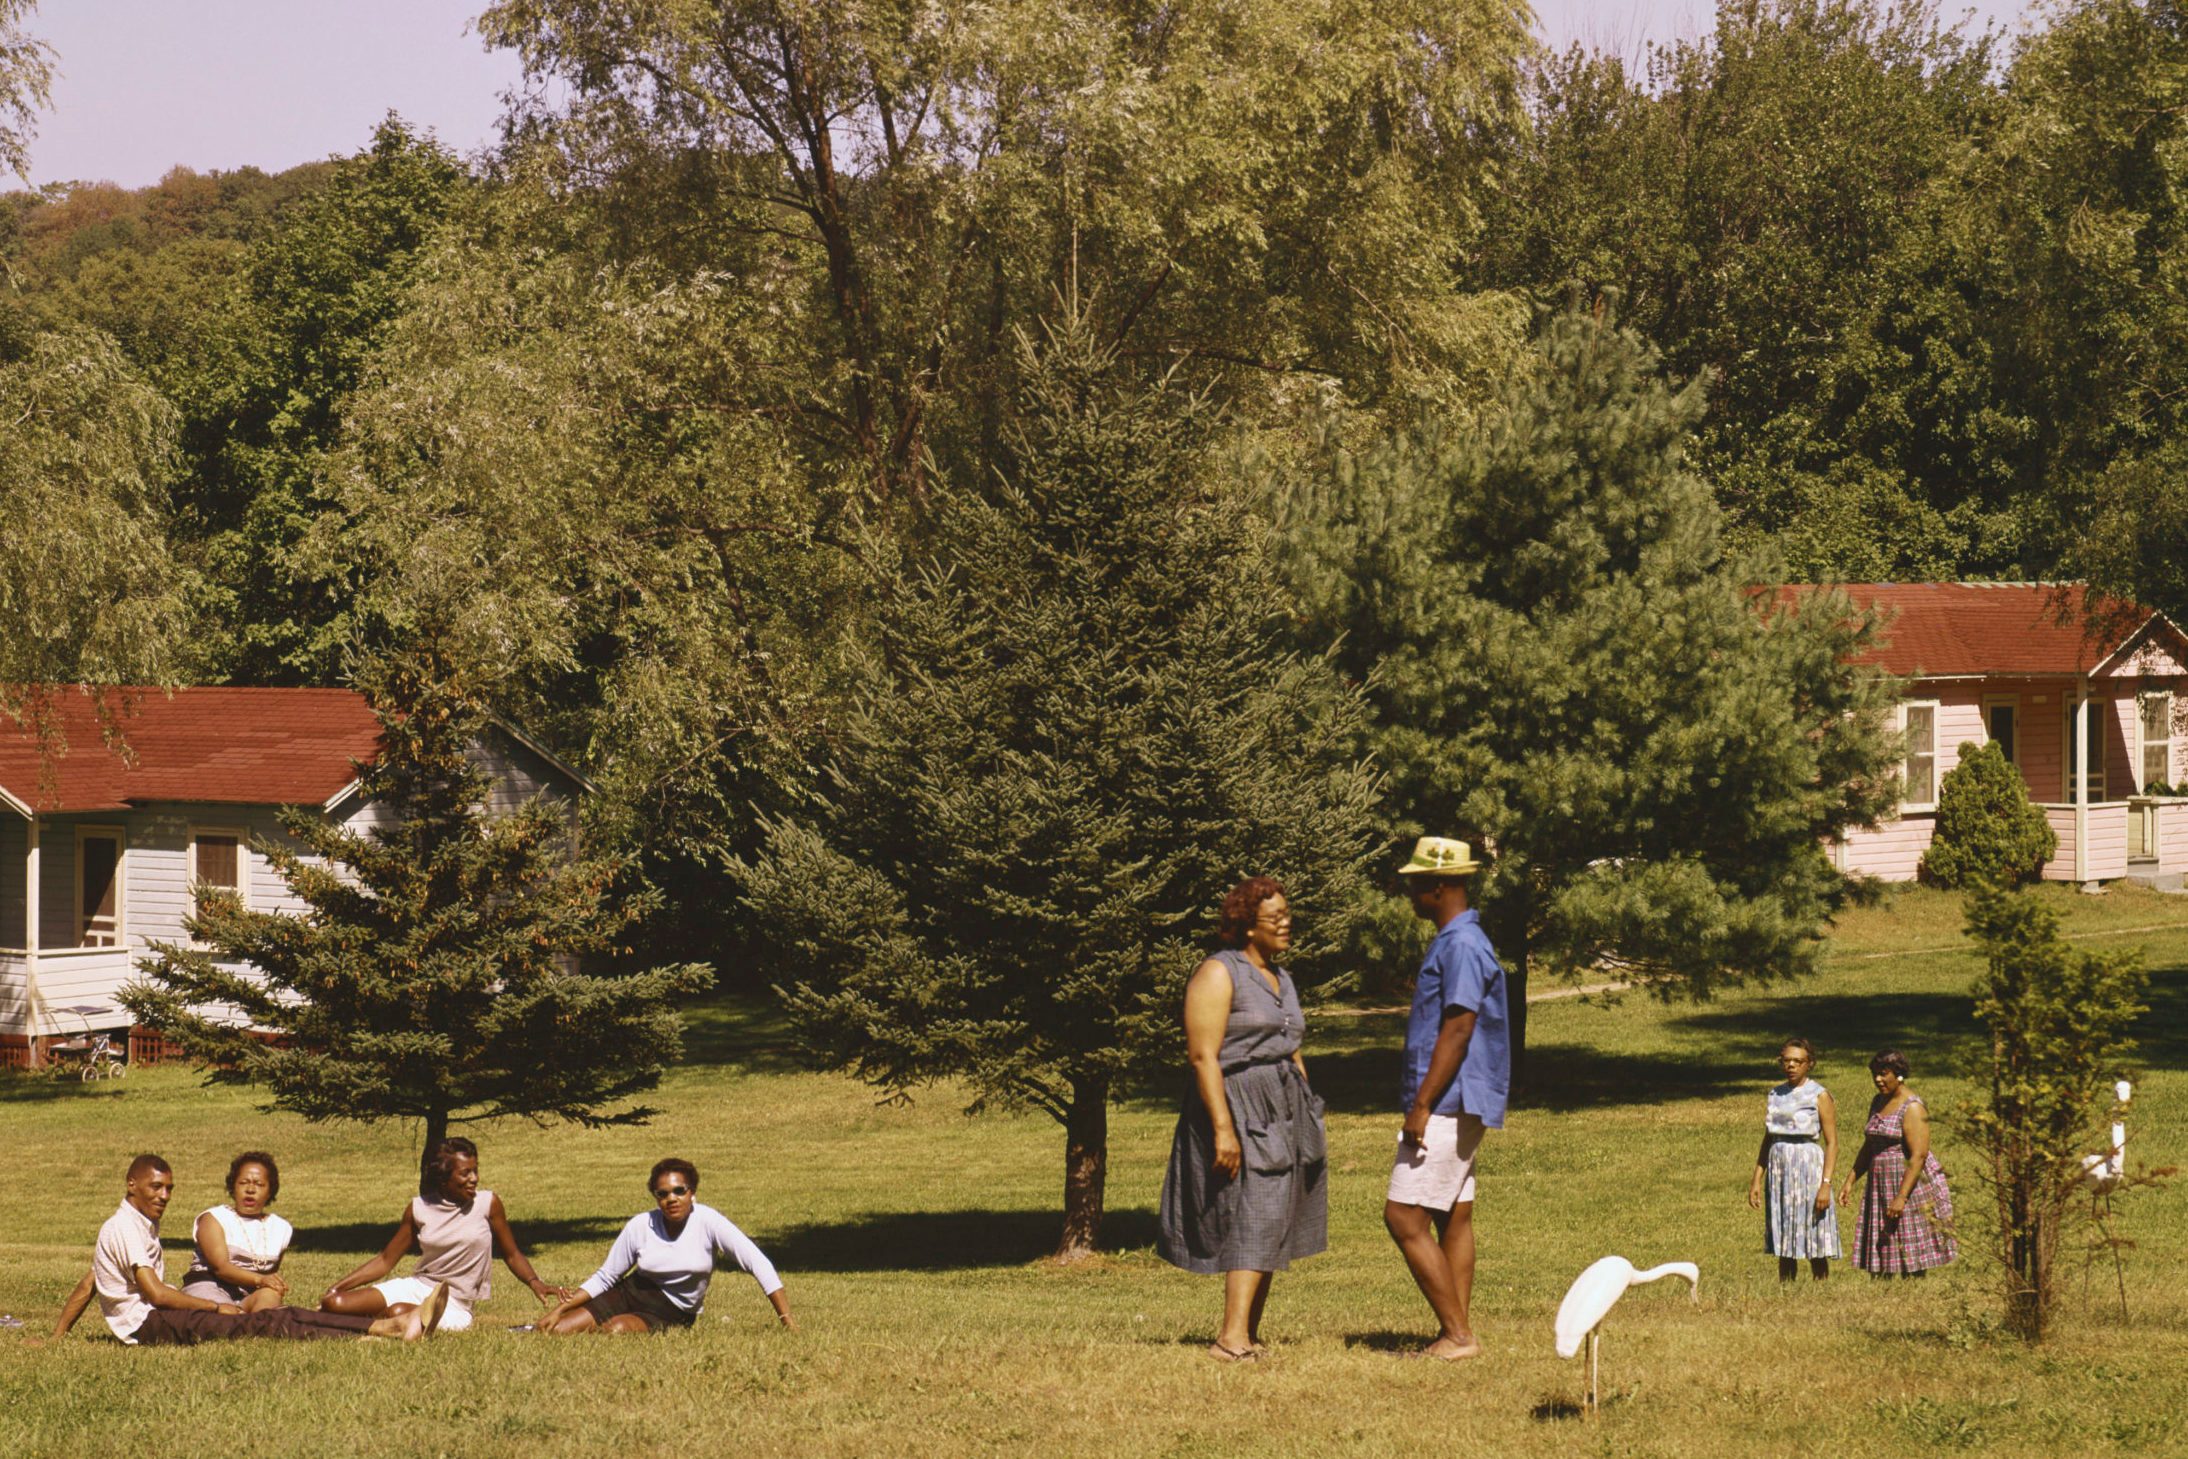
point(2058, 1021)
point(1988, 831)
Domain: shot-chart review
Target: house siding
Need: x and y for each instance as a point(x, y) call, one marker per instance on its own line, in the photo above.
point(2107, 854)
point(2061, 865)
point(1893, 851)
point(2173, 836)
point(14, 1004)
point(517, 774)
point(1889, 852)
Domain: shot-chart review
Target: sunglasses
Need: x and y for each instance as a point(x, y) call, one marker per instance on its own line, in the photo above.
point(664, 1192)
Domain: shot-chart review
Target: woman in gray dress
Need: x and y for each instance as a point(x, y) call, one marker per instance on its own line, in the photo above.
point(1246, 1193)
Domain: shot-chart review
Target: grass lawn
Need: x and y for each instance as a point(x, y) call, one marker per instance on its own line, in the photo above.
point(912, 1238)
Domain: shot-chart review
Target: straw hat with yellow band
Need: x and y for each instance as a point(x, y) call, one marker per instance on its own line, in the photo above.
point(1440, 856)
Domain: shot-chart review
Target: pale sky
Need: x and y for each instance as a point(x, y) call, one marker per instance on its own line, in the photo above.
point(147, 85)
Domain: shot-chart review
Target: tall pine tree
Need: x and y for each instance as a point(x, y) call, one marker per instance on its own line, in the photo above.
point(439, 971)
point(1564, 660)
point(1082, 727)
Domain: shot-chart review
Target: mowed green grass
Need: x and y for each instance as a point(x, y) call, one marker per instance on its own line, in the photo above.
point(912, 1240)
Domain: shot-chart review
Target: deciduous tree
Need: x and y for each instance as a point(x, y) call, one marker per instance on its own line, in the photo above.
point(89, 592)
point(26, 75)
point(1280, 188)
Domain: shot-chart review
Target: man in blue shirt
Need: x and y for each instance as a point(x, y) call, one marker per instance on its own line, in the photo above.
point(1458, 1072)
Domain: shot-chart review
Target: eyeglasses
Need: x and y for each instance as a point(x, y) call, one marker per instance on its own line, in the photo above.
point(1281, 919)
point(671, 1190)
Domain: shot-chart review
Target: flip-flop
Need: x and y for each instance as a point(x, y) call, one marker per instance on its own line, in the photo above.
point(432, 1308)
point(1223, 1354)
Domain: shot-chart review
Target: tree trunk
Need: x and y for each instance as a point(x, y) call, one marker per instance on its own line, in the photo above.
point(436, 1130)
point(1086, 1168)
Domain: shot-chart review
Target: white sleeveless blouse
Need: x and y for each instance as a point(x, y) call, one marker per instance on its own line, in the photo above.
point(255, 1243)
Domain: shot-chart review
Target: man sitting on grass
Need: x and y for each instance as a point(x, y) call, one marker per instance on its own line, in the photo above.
point(129, 1275)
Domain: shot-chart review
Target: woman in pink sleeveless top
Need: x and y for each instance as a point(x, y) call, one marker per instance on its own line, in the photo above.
point(455, 1228)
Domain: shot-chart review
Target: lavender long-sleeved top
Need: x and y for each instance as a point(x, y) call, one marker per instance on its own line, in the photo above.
point(681, 1266)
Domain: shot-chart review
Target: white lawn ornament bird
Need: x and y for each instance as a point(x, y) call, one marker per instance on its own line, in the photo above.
point(2101, 1173)
point(1592, 1296)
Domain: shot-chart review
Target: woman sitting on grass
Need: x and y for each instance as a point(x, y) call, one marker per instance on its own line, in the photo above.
point(656, 1274)
point(1906, 1217)
point(237, 1248)
point(1792, 1184)
point(456, 1229)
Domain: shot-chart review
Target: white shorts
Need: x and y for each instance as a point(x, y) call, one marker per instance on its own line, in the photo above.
point(415, 1290)
point(1438, 1173)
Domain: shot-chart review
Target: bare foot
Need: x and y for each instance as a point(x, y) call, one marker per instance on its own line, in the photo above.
point(1453, 1349)
point(1223, 1354)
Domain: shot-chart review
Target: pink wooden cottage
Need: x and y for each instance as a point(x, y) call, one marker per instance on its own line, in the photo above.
point(2079, 694)
point(102, 854)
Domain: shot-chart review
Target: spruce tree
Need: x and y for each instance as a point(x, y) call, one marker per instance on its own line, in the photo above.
point(444, 968)
point(1082, 726)
point(1565, 661)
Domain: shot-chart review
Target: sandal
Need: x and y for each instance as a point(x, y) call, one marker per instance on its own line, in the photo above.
point(1223, 1354)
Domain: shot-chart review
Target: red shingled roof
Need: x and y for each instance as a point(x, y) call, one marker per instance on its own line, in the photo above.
point(229, 746)
point(1935, 630)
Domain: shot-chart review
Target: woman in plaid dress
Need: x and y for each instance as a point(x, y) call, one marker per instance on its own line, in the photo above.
point(1906, 1212)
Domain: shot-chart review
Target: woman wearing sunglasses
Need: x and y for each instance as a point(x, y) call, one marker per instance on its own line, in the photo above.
point(656, 1274)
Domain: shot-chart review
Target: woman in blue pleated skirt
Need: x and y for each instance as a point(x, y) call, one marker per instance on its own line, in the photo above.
point(1793, 1169)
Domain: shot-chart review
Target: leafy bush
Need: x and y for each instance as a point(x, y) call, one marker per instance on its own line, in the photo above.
point(1988, 832)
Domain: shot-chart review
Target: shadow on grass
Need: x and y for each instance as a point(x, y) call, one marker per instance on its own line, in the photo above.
point(928, 1241)
point(1846, 1028)
point(365, 1237)
point(2162, 1033)
point(1385, 1340)
point(37, 1087)
point(740, 1031)
point(1556, 1410)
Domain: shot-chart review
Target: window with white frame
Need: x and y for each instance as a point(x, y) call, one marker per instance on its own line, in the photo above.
point(1918, 773)
point(220, 858)
point(99, 886)
point(2093, 745)
point(2157, 739)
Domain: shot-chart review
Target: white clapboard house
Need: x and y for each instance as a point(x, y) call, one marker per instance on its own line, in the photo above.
point(102, 848)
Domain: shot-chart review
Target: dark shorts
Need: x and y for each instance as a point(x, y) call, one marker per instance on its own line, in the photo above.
point(639, 1299)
